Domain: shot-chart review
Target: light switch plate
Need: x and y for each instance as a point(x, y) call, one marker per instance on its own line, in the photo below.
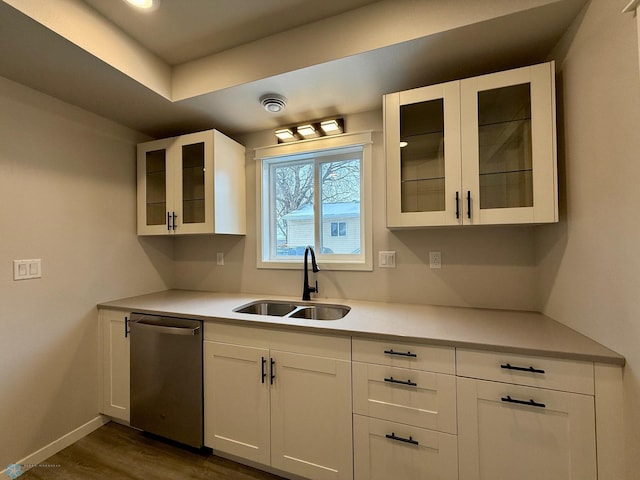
point(27, 269)
point(387, 259)
point(220, 258)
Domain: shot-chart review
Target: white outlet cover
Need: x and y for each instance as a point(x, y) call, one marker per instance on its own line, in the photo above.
point(435, 260)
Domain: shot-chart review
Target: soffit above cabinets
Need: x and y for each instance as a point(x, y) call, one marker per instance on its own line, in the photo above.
point(326, 59)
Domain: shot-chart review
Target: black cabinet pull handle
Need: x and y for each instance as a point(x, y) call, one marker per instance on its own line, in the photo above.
point(403, 354)
point(468, 203)
point(457, 204)
point(400, 439)
point(168, 220)
point(173, 222)
point(401, 382)
point(263, 370)
point(530, 402)
point(126, 327)
point(508, 366)
point(272, 371)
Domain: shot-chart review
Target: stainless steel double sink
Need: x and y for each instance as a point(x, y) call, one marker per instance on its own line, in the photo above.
point(310, 311)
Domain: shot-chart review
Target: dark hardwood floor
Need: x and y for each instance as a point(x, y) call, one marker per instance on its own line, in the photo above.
point(118, 452)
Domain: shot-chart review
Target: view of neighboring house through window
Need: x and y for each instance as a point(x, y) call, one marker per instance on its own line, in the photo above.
point(313, 198)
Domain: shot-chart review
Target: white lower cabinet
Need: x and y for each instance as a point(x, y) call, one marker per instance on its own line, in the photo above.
point(114, 346)
point(508, 431)
point(281, 399)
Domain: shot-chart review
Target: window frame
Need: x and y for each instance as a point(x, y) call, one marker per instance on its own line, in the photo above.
point(323, 144)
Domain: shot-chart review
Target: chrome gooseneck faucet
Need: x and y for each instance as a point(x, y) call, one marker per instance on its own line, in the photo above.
point(307, 290)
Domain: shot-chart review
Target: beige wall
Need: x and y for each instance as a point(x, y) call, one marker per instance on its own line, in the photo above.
point(67, 194)
point(589, 264)
point(482, 267)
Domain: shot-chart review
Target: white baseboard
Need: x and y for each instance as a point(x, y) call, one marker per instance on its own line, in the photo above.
point(61, 443)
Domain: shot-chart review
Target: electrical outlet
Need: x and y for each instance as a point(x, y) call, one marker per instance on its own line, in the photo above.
point(435, 260)
point(220, 258)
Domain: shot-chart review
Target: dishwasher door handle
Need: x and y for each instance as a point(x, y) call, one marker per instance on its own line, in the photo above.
point(167, 330)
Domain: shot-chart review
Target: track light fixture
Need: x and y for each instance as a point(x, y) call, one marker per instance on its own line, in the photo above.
point(333, 126)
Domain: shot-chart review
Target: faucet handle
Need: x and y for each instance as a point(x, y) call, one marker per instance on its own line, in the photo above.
point(315, 290)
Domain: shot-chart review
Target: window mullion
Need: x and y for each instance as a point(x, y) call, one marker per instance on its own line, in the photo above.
point(317, 220)
point(273, 227)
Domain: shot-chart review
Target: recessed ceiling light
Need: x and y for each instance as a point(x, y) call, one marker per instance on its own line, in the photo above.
point(143, 4)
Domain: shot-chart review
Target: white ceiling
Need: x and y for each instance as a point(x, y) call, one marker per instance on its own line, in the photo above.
point(180, 32)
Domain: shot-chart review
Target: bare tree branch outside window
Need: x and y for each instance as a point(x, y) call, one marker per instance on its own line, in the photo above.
point(294, 187)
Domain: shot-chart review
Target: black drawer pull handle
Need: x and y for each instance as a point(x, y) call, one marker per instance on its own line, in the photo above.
point(263, 370)
point(400, 439)
point(457, 204)
point(127, 330)
point(403, 354)
point(508, 366)
point(468, 203)
point(530, 402)
point(401, 382)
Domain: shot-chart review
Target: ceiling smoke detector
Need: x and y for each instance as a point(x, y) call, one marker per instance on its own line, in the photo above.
point(273, 103)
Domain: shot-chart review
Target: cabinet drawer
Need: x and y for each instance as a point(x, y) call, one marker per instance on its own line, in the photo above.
point(320, 345)
point(413, 397)
point(552, 373)
point(410, 454)
point(405, 355)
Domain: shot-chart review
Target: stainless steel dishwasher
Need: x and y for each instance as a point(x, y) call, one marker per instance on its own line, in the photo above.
point(166, 377)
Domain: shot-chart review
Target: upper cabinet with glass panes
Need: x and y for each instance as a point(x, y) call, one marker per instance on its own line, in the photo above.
point(475, 151)
point(191, 184)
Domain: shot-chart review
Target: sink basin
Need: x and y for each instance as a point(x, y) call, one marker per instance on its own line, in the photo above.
point(321, 312)
point(263, 307)
point(310, 311)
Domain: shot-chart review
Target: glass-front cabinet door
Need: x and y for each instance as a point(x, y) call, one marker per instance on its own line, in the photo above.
point(155, 190)
point(422, 128)
point(194, 183)
point(509, 146)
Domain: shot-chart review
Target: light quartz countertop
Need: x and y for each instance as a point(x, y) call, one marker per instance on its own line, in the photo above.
point(528, 333)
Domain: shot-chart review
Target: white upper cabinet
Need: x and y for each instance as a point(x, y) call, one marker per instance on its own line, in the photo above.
point(475, 151)
point(191, 184)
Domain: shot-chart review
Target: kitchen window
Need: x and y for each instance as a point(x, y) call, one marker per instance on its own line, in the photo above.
point(318, 193)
